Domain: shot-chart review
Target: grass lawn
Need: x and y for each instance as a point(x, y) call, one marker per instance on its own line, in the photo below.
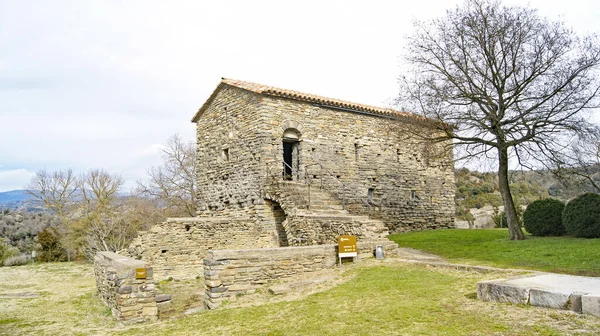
point(492, 247)
point(387, 298)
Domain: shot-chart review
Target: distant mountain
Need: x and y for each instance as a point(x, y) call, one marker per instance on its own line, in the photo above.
point(18, 200)
point(14, 196)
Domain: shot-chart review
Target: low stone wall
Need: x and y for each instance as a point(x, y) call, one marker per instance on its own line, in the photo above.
point(228, 273)
point(176, 247)
point(325, 229)
point(131, 300)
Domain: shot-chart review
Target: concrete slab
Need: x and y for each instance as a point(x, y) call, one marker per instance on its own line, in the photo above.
point(558, 291)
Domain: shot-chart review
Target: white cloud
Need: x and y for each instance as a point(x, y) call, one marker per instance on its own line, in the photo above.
point(14, 179)
point(96, 84)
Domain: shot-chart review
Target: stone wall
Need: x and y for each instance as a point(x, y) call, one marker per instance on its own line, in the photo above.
point(131, 300)
point(228, 273)
point(176, 247)
point(375, 165)
point(325, 229)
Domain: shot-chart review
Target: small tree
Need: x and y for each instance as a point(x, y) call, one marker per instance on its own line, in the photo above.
point(502, 81)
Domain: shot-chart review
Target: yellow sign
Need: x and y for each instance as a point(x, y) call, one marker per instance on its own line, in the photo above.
point(140, 273)
point(347, 244)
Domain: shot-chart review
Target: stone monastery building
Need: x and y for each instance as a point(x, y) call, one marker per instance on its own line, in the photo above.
point(260, 148)
point(283, 168)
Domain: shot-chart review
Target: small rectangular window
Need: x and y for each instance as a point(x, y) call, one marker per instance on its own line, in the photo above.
point(370, 194)
point(413, 195)
point(225, 154)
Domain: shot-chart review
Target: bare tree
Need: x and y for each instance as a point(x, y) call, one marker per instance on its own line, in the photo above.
point(57, 191)
point(504, 83)
point(174, 182)
point(99, 189)
point(581, 162)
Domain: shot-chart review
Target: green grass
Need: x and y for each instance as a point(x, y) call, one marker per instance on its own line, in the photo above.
point(380, 300)
point(388, 298)
point(492, 247)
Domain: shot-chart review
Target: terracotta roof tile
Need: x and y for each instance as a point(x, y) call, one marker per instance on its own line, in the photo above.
point(311, 98)
point(307, 97)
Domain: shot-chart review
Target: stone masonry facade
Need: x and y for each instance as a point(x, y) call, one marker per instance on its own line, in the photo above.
point(371, 161)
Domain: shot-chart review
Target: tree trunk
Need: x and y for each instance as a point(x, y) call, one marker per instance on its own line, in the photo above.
point(509, 206)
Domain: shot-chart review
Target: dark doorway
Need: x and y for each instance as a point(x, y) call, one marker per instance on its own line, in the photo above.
point(290, 164)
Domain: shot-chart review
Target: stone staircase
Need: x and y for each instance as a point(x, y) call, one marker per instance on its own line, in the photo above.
point(321, 221)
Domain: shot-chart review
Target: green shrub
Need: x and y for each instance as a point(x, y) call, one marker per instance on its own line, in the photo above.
point(544, 218)
point(581, 216)
point(50, 247)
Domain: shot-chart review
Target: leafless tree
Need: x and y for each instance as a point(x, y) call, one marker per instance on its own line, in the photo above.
point(504, 82)
point(174, 182)
point(581, 162)
point(57, 191)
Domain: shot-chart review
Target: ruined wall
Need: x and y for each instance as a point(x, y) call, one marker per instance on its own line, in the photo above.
point(131, 300)
point(232, 272)
point(177, 247)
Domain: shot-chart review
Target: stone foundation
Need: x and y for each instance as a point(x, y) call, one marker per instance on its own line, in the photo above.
point(131, 300)
point(241, 272)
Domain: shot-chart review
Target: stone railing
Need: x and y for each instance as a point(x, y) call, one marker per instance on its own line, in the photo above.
point(131, 300)
point(228, 273)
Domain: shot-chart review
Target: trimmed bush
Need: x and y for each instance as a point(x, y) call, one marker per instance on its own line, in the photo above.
point(581, 216)
point(544, 218)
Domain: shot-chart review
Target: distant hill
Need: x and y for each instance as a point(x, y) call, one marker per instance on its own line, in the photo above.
point(18, 200)
point(14, 195)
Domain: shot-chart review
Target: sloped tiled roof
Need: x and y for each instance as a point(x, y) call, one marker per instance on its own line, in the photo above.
point(306, 97)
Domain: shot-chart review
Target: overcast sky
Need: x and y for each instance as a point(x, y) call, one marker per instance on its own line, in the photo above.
point(102, 84)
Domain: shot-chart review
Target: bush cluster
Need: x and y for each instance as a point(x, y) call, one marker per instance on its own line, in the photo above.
point(581, 216)
point(544, 218)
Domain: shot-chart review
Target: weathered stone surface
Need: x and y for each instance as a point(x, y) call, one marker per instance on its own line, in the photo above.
point(371, 164)
point(163, 297)
point(249, 270)
point(559, 291)
point(590, 304)
point(131, 300)
point(548, 299)
point(278, 290)
point(176, 248)
point(125, 289)
point(497, 291)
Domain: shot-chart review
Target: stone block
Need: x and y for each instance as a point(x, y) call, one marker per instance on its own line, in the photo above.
point(500, 292)
point(125, 289)
point(548, 299)
point(150, 311)
point(218, 289)
point(163, 298)
point(590, 304)
point(575, 300)
point(212, 283)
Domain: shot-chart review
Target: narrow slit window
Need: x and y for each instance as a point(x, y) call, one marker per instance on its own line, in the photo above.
point(356, 151)
point(225, 154)
point(370, 194)
point(413, 195)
